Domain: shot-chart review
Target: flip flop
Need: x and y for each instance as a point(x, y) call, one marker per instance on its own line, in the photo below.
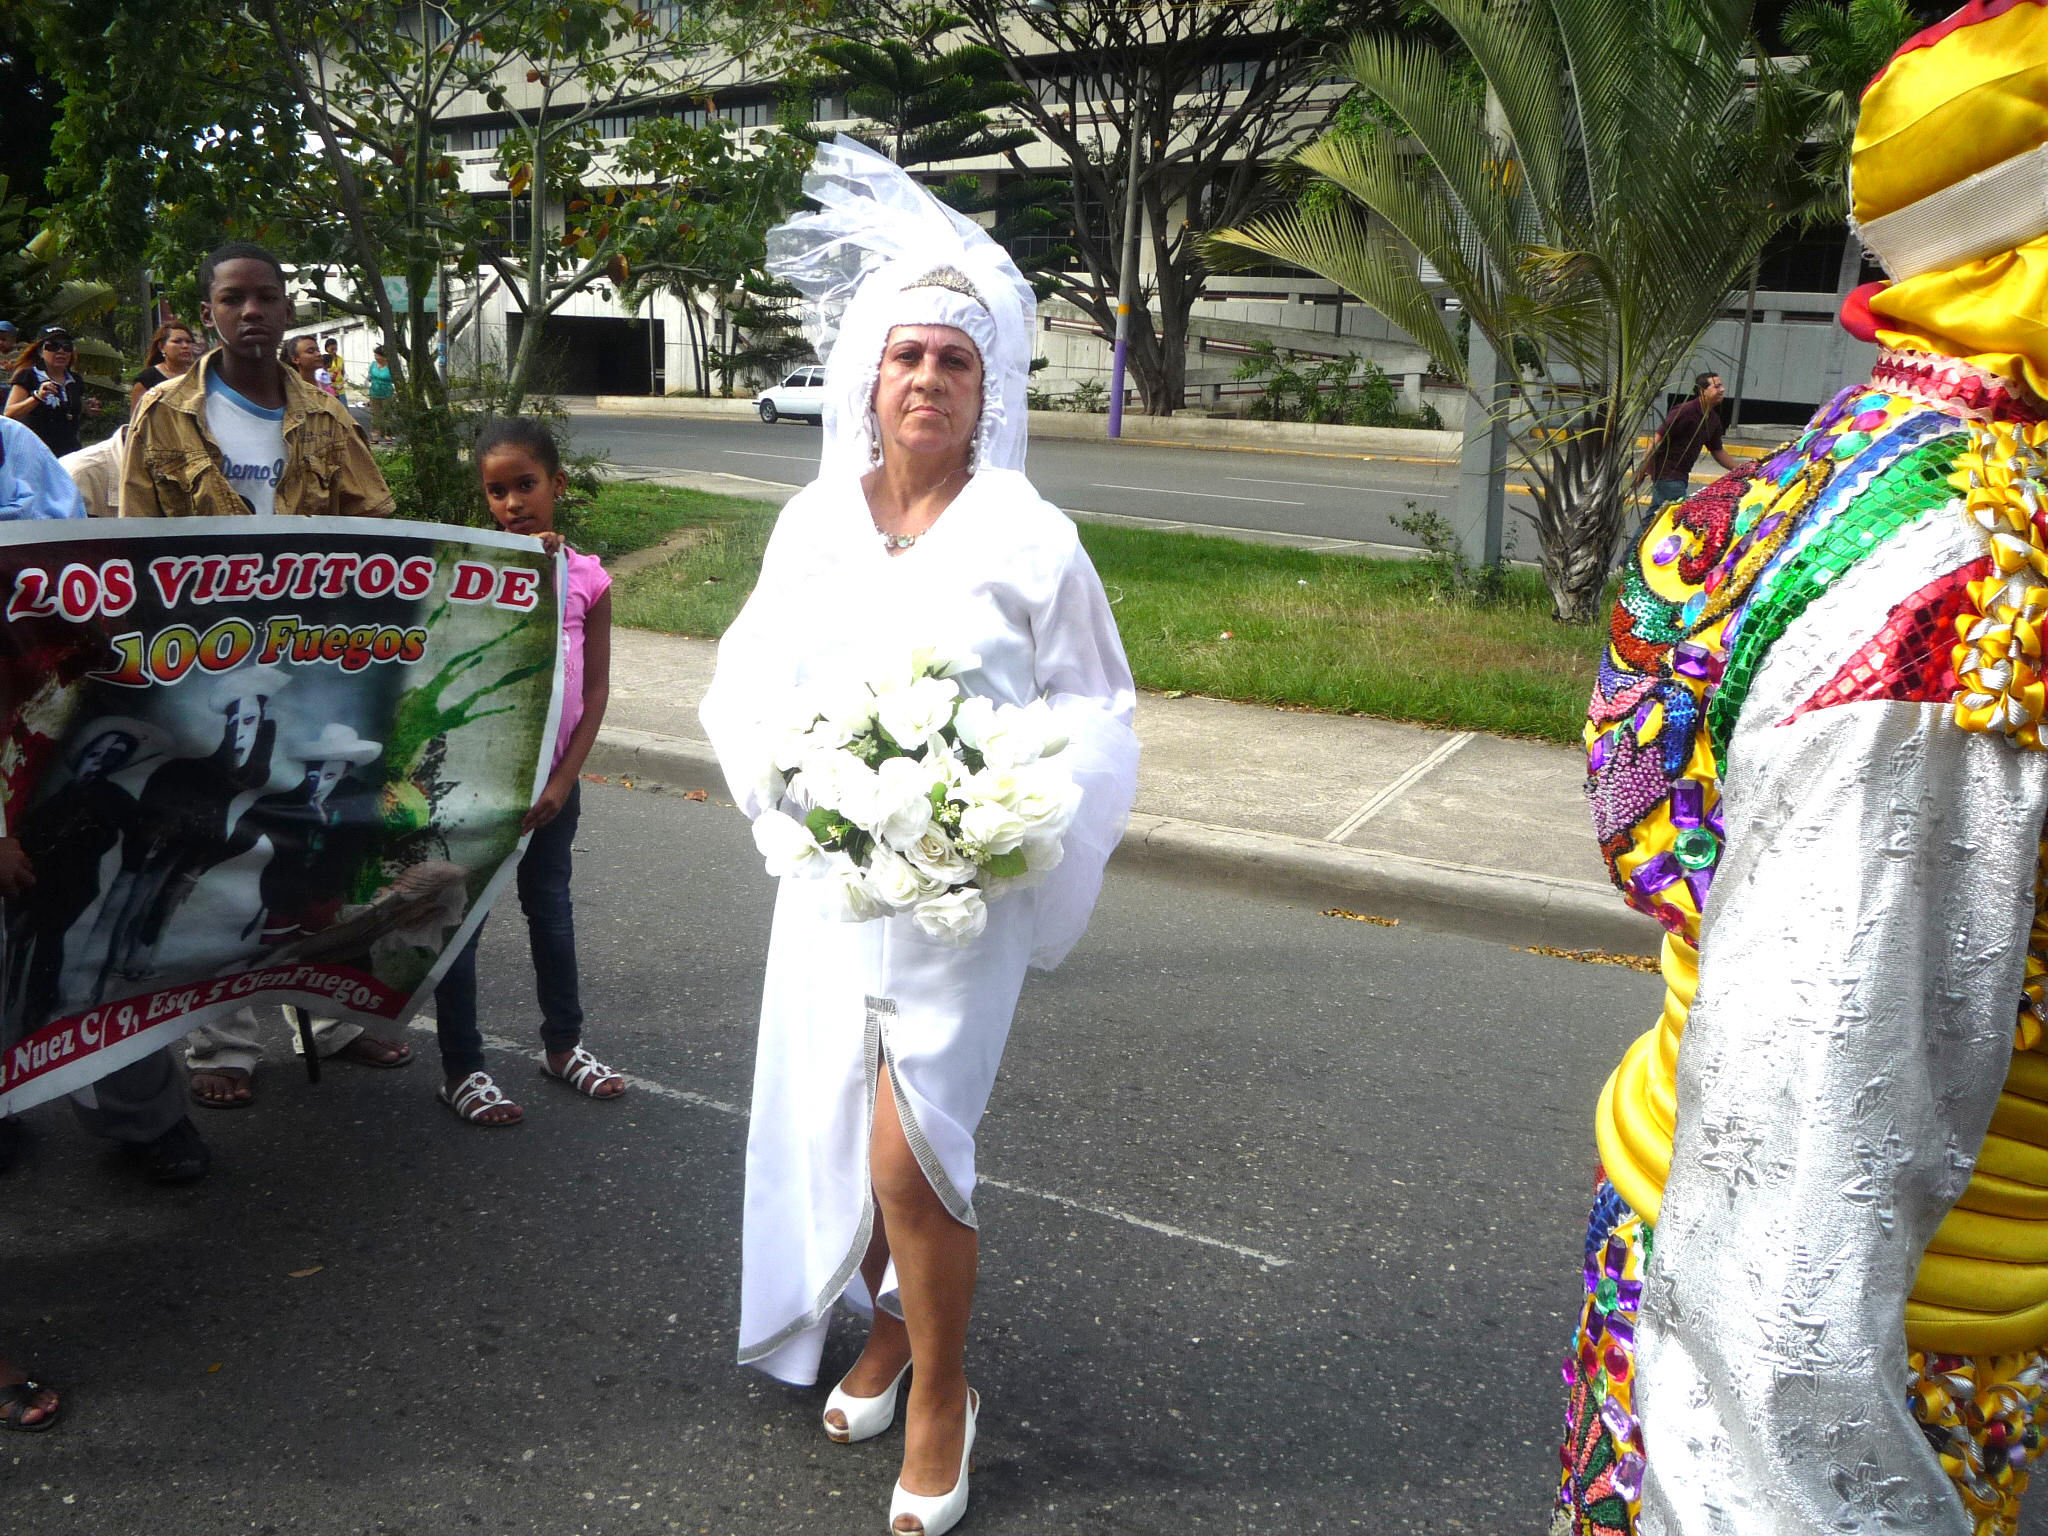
point(350, 1052)
point(246, 1078)
point(17, 1398)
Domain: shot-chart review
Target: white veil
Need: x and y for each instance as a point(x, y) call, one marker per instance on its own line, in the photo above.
point(880, 253)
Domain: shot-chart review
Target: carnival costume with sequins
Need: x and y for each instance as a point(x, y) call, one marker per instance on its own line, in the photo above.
point(1817, 1266)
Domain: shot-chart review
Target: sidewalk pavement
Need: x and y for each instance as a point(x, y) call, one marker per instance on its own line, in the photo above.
point(1477, 834)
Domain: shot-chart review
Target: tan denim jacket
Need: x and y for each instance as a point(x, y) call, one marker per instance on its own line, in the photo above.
point(173, 466)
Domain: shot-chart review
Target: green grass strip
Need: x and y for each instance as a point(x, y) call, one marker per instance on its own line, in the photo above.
point(1325, 632)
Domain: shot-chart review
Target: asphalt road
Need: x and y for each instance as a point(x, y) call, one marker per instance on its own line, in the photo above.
point(1288, 493)
point(1283, 1225)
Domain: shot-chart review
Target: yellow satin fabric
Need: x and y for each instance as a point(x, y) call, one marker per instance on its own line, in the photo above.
point(1983, 1282)
point(1993, 314)
point(1937, 115)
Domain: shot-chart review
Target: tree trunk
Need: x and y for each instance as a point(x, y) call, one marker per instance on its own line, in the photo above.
point(1580, 485)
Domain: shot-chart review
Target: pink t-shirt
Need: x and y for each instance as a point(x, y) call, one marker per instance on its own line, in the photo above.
point(585, 581)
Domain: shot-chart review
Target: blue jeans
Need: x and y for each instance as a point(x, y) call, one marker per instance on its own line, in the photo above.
point(551, 934)
point(1664, 492)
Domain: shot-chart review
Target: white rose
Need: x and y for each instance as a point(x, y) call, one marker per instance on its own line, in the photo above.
point(988, 829)
point(842, 782)
point(955, 917)
point(1009, 737)
point(973, 720)
point(850, 710)
point(936, 661)
point(787, 846)
point(913, 716)
point(898, 881)
point(903, 801)
point(1042, 854)
point(935, 856)
point(1046, 798)
point(769, 785)
point(854, 899)
point(993, 786)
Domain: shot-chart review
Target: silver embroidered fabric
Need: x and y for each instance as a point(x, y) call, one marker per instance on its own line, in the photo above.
point(1861, 964)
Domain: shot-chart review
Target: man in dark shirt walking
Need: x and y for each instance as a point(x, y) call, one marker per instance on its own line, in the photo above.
point(1694, 425)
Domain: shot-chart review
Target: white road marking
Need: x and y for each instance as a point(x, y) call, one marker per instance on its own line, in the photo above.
point(1262, 501)
point(1395, 790)
point(647, 1085)
point(794, 458)
point(1332, 485)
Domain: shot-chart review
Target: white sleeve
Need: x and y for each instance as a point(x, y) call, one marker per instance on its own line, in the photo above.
point(753, 667)
point(1083, 676)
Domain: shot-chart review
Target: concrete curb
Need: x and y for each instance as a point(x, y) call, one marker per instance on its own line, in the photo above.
point(1148, 431)
point(1500, 905)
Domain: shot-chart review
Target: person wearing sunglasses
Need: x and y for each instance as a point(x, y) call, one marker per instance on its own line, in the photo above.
point(47, 397)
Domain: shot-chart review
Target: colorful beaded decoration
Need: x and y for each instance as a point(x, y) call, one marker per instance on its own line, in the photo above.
point(1718, 581)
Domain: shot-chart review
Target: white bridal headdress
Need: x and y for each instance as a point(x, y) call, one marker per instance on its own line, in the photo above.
point(882, 252)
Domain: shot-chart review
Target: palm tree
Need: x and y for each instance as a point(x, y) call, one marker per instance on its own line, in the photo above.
point(1593, 177)
point(37, 288)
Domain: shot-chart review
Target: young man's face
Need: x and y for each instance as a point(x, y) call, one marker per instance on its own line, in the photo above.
point(247, 307)
point(1714, 392)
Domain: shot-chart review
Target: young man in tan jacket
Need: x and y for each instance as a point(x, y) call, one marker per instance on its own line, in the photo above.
point(240, 433)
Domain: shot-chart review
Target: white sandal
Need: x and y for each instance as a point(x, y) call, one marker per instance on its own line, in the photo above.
point(938, 1513)
point(585, 1073)
point(472, 1096)
point(866, 1417)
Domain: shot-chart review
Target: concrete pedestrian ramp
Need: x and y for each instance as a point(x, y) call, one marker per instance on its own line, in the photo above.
point(1462, 831)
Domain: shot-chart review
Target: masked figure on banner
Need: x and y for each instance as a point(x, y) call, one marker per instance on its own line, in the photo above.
point(67, 837)
point(191, 821)
point(1816, 1275)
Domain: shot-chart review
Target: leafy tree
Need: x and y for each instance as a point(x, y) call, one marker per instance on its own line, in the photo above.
point(695, 222)
point(1615, 183)
point(927, 104)
point(1843, 47)
point(32, 101)
point(1213, 93)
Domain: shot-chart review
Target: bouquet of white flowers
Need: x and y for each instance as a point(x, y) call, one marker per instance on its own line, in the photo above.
point(916, 797)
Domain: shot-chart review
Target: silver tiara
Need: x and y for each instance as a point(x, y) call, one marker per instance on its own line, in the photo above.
point(951, 278)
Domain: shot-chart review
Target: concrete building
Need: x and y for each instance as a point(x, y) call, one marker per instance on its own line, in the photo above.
point(1792, 357)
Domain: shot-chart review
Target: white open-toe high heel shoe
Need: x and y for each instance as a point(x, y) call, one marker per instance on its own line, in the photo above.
point(938, 1513)
point(866, 1417)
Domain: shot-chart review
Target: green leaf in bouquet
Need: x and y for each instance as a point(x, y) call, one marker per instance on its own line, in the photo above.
point(972, 757)
point(1006, 866)
point(938, 798)
point(826, 825)
point(858, 844)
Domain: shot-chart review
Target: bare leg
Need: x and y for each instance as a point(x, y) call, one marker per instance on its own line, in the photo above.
point(936, 1261)
point(888, 1346)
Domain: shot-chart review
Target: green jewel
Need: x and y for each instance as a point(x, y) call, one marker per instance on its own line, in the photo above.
point(1605, 1295)
point(1696, 848)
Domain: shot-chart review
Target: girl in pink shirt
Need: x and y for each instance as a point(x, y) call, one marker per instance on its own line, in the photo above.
point(522, 477)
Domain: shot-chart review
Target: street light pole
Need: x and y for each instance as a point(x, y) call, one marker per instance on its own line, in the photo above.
point(1127, 289)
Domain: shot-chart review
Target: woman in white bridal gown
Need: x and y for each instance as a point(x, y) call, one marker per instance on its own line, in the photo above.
point(878, 1044)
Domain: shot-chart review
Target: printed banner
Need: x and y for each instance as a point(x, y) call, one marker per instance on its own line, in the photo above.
point(256, 761)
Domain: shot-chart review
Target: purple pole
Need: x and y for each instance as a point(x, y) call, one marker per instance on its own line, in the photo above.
point(1116, 374)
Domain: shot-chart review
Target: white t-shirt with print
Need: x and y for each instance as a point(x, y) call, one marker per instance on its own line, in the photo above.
point(251, 444)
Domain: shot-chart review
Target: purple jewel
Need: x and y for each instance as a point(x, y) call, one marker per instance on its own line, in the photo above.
point(1699, 882)
point(1630, 1293)
point(1668, 551)
point(1628, 1477)
point(1688, 798)
point(1658, 874)
point(1689, 660)
point(1770, 525)
point(1600, 751)
point(1616, 1418)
